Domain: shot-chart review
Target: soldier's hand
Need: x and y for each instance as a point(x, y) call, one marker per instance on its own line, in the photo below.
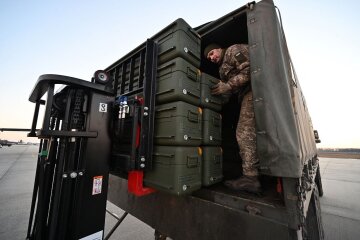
point(221, 88)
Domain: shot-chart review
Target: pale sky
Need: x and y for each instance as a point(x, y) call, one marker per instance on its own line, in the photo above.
point(76, 38)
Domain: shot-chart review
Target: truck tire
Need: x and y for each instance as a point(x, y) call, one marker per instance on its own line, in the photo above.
point(313, 229)
point(318, 182)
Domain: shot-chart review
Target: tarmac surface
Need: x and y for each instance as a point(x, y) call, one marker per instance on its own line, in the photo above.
point(340, 203)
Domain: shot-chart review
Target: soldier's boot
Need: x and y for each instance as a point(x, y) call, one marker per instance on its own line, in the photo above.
point(245, 183)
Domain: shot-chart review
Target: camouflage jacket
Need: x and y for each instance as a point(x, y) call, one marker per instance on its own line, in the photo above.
point(235, 67)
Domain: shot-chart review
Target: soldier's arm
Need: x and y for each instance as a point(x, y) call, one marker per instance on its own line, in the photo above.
point(239, 76)
point(239, 80)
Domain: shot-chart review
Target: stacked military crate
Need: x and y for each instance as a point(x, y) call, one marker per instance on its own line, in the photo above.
point(212, 152)
point(186, 150)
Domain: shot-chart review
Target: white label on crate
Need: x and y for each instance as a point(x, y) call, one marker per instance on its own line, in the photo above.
point(95, 236)
point(97, 185)
point(103, 107)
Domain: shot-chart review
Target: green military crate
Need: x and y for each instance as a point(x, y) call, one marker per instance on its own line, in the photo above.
point(206, 99)
point(176, 170)
point(178, 40)
point(178, 80)
point(211, 127)
point(211, 165)
point(178, 123)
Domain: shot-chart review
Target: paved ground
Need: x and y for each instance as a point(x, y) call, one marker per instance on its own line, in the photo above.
point(340, 203)
point(17, 172)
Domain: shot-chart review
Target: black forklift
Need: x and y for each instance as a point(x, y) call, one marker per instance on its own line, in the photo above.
point(146, 135)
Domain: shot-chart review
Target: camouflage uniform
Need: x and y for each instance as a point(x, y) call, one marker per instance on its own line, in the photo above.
point(235, 70)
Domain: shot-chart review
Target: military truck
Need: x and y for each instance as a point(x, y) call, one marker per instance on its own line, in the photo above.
point(147, 135)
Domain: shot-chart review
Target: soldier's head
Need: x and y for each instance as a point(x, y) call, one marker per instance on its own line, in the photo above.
point(213, 52)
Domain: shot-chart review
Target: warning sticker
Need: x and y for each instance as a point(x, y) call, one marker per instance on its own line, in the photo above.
point(97, 185)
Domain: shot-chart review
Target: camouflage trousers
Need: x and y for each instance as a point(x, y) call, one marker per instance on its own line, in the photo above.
point(246, 136)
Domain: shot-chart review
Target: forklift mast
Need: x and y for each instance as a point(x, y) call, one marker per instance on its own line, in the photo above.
point(72, 174)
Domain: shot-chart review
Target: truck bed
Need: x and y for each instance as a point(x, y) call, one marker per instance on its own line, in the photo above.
point(197, 216)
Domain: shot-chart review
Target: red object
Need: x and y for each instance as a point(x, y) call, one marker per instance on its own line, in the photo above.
point(140, 99)
point(135, 184)
point(279, 185)
point(135, 178)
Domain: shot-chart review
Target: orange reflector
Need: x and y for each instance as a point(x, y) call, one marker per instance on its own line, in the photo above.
point(200, 151)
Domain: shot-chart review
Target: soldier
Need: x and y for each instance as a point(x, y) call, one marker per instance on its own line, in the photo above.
point(234, 72)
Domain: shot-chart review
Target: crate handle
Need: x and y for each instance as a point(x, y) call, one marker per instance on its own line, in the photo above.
point(214, 102)
point(193, 138)
point(167, 50)
point(165, 66)
point(192, 54)
point(165, 109)
point(166, 91)
point(192, 94)
point(167, 137)
point(163, 155)
point(193, 75)
point(216, 139)
point(193, 116)
point(192, 161)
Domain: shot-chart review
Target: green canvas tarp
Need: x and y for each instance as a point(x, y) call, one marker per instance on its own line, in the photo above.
point(285, 138)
